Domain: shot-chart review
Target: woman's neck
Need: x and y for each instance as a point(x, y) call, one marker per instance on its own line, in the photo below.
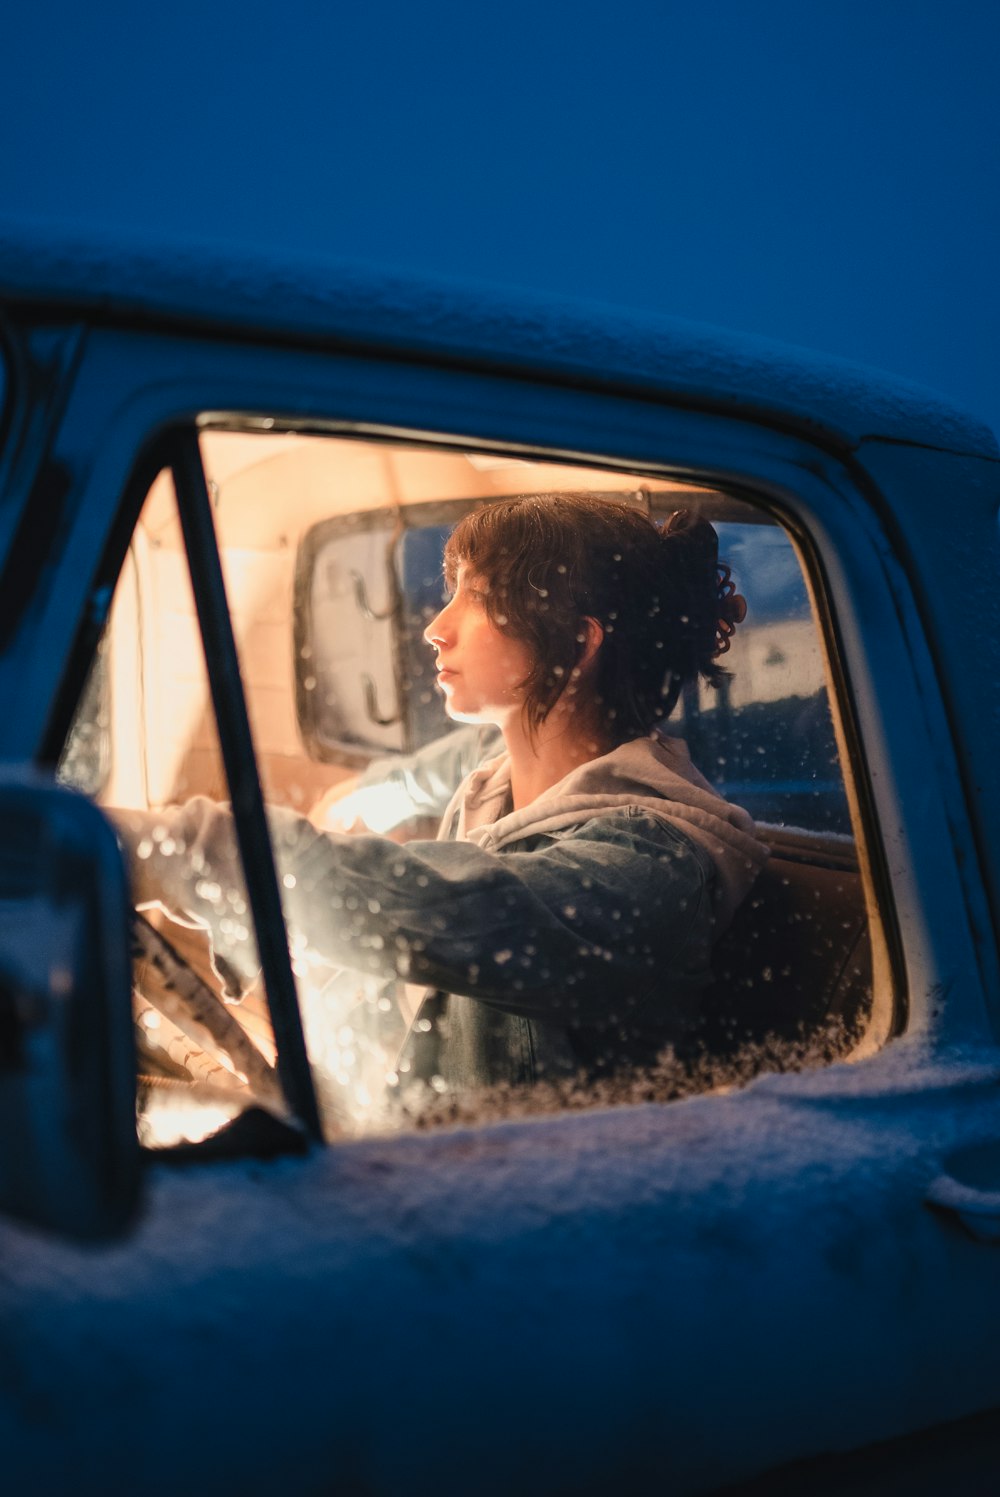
point(559, 745)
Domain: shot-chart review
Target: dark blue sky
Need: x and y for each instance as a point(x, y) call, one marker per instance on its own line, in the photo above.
point(825, 173)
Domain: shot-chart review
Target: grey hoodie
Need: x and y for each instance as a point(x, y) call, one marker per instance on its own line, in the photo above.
point(653, 774)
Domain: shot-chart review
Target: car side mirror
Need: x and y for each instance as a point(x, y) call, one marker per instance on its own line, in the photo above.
point(69, 1151)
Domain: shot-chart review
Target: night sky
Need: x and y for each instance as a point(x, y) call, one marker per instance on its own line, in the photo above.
point(827, 174)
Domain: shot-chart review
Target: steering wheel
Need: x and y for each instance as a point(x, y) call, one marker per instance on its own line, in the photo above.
point(183, 1022)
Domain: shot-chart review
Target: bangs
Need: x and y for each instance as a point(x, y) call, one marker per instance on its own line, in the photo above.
point(484, 540)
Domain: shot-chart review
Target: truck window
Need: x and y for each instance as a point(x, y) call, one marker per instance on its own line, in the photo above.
point(440, 977)
point(144, 739)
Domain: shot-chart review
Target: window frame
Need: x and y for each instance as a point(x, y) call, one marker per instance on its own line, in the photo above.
point(240, 762)
point(874, 644)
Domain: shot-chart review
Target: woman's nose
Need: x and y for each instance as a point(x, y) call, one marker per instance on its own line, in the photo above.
point(436, 632)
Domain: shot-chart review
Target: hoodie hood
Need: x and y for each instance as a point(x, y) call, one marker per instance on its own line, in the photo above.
point(652, 774)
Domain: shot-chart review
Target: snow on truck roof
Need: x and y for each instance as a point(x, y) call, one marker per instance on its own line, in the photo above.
point(341, 304)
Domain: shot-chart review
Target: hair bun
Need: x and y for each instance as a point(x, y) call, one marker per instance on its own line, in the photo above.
point(700, 543)
point(694, 533)
point(732, 608)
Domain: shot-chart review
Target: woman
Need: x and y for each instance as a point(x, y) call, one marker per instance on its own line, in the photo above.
point(563, 919)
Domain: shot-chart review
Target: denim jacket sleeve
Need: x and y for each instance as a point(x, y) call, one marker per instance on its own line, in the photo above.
point(552, 928)
point(425, 781)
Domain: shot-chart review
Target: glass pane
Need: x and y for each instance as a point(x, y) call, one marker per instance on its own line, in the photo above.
point(561, 966)
point(144, 742)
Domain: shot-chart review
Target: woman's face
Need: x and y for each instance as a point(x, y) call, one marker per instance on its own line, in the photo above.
point(480, 671)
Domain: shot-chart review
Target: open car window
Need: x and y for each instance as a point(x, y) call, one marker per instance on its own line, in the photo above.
point(331, 551)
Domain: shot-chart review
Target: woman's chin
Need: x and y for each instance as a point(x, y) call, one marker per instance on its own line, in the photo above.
point(464, 712)
point(460, 714)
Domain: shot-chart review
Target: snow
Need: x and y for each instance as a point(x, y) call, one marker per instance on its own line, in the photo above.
point(677, 1295)
point(341, 303)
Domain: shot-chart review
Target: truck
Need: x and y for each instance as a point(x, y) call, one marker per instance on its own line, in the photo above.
point(769, 1265)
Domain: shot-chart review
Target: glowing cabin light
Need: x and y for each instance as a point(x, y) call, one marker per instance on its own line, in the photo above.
point(168, 1118)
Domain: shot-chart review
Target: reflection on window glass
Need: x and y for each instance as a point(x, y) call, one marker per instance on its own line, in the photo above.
point(541, 842)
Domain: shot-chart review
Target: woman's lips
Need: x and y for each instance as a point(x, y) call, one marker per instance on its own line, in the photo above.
point(446, 675)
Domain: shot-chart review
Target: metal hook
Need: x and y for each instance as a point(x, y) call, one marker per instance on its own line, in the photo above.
point(361, 598)
point(371, 704)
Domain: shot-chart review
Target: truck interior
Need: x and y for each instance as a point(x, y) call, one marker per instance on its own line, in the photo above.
point(331, 552)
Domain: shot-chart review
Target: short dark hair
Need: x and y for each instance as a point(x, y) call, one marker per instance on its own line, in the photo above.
point(666, 605)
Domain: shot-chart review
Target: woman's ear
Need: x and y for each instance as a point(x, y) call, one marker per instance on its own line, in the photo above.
point(590, 639)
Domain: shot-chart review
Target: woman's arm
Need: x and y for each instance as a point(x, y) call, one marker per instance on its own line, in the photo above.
point(617, 906)
point(408, 788)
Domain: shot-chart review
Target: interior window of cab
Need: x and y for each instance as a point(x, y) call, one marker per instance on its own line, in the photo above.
point(486, 915)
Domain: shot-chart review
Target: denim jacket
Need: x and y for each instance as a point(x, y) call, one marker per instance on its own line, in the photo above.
point(571, 935)
point(659, 863)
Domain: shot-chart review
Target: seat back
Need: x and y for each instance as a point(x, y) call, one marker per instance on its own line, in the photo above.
point(797, 957)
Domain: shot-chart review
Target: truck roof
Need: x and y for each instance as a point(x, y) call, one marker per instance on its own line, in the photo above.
point(329, 303)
